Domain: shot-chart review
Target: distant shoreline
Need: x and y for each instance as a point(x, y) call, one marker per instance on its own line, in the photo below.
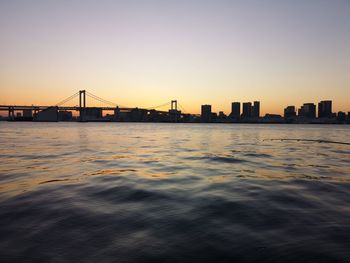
point(232, 123)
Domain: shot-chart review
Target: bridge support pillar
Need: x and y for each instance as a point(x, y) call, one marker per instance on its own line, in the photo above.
point(11, 113)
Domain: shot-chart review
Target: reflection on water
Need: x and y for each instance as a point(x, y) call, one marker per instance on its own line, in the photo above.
point(119, 192)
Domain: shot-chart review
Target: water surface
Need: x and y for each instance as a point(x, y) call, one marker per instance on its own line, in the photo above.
point(140, 192)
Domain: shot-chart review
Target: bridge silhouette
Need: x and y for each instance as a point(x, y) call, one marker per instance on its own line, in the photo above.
point(174, 114)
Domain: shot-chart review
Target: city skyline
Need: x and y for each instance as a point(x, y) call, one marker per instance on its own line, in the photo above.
point(249, 112)
point(238, 108)
point(140, 53)
point(325, 108)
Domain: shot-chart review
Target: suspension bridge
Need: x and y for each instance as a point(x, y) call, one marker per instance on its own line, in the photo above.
point(95, 113)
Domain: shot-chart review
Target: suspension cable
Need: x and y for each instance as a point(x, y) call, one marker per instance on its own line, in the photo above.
point(67, 99)
point(160, 106)
point(103, 100)
point(182, 108)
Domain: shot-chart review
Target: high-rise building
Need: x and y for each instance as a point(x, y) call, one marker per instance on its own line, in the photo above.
point(206, 113)
point(256, 109)
point(247, 110)
point(236, 109)
point(325, 109)
point(289, 112)
point(308, 110)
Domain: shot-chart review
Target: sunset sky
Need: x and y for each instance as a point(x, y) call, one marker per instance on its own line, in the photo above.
point(145, 53)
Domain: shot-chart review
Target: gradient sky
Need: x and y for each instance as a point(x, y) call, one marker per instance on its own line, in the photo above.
point(145, 53)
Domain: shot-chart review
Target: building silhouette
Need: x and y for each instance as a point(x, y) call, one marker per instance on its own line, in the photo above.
point(308, 110)
point(289, 112)
point(235, 110)
point(325, 109)
point(65, 116)
point(341, 117)
point(256, 109)
point(49, 114)
point(206, 115)
point(247, 110)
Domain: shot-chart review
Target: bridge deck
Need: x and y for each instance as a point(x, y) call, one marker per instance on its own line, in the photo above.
point(68, 108)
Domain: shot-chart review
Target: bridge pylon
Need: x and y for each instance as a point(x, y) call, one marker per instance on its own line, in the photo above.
point(173, 110)
point(82, 104)
point(174, 105)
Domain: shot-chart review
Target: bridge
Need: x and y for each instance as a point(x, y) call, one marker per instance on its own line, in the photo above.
point(95, 113)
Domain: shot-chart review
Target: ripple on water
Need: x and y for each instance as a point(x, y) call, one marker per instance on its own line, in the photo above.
point(216, 158)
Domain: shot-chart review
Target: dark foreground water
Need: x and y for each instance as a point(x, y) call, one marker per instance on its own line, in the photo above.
point(117, 192)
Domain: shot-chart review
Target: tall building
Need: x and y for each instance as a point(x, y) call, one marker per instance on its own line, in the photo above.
point(206, 113)
point(325, 109)
point(308, 110)
point(247, 110)
point(289, 112)
point(236, 109)
point(256, 109)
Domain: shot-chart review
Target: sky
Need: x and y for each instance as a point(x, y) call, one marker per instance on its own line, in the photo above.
point(146, 53)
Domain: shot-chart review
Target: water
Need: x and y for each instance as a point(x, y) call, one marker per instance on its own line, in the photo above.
point(124, 192)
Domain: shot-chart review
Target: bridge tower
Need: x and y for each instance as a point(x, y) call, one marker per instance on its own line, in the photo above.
point(173, 110)
point(82, 104)
point(174, 105)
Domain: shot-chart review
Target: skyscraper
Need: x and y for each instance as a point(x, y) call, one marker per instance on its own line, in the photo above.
point(308, 110)
point(325, 109)
point(289, 112)
point(206, 113)
point(235, 109)
point(256, 109)
point(247, 110)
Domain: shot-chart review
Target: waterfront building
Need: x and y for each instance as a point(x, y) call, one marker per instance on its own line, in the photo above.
point(341, 116)
point(49, 114)
point(136, 115)
point(256, 109)
point(247, 110)
point(289, 112)
point(65, 115)
point(308, 110)
point(272, 118)
point(325, 109)
point(206, 115)
point(235, 109)
point(92, 113)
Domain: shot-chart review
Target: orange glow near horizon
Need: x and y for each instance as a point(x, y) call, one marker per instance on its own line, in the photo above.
point(190, 103)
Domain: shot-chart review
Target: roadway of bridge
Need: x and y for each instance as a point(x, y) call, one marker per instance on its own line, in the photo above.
point(69, 108)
